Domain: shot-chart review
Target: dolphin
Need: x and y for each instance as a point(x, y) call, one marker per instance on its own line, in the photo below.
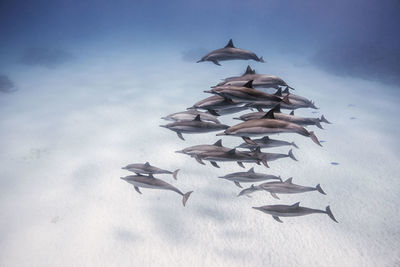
point(266, 142)
point(151, 182)
point(189, 115)
point(259, 80)
point(247, 93)
point(296, 98)
point(288, 187)
point(229, 52)
point(146, 168)
point(294, 104)
point(271, 156)
point(248, 177)
point(266, 126)
point(231, 155)
point(194, 126)
point(290, 211)
point(194, 151)
point(304, 121)
point(247, 191)
point(215, 102)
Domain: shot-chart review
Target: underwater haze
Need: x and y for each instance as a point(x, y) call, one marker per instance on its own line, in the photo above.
point(83, 85)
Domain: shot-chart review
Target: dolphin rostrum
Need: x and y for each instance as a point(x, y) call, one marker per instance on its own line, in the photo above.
point(292, 210)
point(189, 115)
point(229, 52)
point(194, 126)
point(146, 168)
point(248, 177)
point(288, 187)
point(266, 142)
point(151, 182)
point(266, 126)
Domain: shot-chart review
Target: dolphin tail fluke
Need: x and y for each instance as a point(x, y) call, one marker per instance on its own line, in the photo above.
point(323, 119)
point(175, 174)
point(318, 187)
point(261, 60)
point(314, 138)
point(318, 124)
point(291, 155)
point(186, 197)
point(293, 144)
point(330, 214)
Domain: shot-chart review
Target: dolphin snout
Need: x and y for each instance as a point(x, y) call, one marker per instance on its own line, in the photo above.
point(221, 134)
point(164, 126)
point(179, 151)
point(208, 91)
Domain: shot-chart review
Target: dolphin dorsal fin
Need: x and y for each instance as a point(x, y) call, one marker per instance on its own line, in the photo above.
point(286, 91)
point(230, 44)
point(249, 84)
point(147, 164)
point(279, 92)
point(197, 118)
point(218, 143)
point(292, 113)
point(277, 108)
point(265, 138)
point(249, 70)
point(295, 205)
point(232, 151)
point(251, 170)
point(269, 115)
point(289, 180)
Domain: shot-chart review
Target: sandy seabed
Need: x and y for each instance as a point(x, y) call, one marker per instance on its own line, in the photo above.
point(66, 133)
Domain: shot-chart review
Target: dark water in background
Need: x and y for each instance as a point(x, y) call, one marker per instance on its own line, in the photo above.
point(351, 38)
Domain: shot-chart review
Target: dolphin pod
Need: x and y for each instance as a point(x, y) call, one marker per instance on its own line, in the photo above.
point(229, 52)
point(244, 93)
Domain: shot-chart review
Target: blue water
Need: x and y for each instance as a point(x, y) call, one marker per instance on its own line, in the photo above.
point(83, 85)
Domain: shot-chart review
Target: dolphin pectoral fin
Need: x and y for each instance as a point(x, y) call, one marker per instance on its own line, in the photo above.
point(175, 173)
point(216, 62)
point(186, 197)
point(240, 164)
point(214, 164)
point(248, 140)
point(238, 184)
point(277, 219)
point(198, 159)
point(314, 138)
point(180, 135)
point(274, 195)
point(137, 189)
point(264, 161)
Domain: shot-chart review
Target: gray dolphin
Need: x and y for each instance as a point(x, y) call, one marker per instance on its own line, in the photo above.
point(232, 155)
point(247, 191)
point(259, 80)
point(146, 168)
point(291, 210)
point(304, 121)
point(194, 151)
point(215, 102)
point(151, 182)
point(271, 156)
point(246, 93)
point(267, 126)
point(288, 187)
point(194, 126)
point(229, 52)
point(189, 115)
point(294, 104)
point(248, 177)
point(295, 98)
point(230, 110)
point(266, 142)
